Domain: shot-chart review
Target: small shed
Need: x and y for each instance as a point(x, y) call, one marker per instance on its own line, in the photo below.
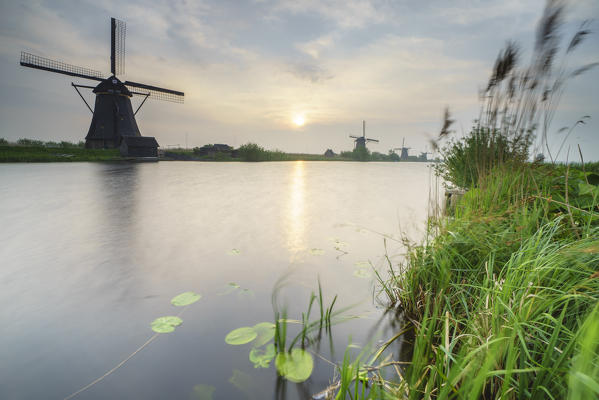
point(138, 146)
point(329, 153)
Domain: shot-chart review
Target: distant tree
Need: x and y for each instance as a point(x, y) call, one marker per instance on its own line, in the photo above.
point(66, 145)
point(393, 156)
point(252, 152)
point(361, 154)
point(376, 156)
point(3, 142)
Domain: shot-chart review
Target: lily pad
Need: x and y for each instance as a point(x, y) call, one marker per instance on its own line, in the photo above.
point(316, 252)
point(231, 287)
point(362, 264)
point(166, 324)
point(265, 331)
point(248, 385)
point(241, 336)
point(246, 292)
point(185, 299)
point(296, 366)
point(202, 392)
point(261, 358)
point(362, 273)
point(234, 252)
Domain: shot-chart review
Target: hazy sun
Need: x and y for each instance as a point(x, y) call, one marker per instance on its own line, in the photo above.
point(299, 120)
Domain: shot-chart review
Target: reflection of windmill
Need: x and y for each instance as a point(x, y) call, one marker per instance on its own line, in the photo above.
point(404, 150)
point(113, 120)
point(360, 141)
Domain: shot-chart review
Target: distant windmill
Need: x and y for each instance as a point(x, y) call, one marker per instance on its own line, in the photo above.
point(360, 141)
point(404, 150)
point(113, 122)
point(423, 155)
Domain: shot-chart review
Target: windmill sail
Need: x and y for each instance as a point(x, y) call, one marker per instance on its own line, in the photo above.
point(156, 92)
point(118, 30)
point(38, 62)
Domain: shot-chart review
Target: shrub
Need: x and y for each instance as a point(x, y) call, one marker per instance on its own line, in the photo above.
point(361, 154)
point(252, 152)
point(30, 142)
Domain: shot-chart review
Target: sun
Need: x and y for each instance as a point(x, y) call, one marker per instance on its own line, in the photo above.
point(299, 120)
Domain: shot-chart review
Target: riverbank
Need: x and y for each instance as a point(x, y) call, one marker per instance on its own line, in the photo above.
point(42, 153)
point(56, 154)
point(504, 295)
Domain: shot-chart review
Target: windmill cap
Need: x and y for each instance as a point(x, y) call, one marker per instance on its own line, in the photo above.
point(112, 85)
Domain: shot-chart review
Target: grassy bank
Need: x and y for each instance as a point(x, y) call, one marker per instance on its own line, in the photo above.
point(267, 155)
point(55, 154)
point(505, 298)
point(255, 153)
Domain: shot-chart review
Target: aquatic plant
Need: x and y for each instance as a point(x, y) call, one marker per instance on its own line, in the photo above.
point(160, 325)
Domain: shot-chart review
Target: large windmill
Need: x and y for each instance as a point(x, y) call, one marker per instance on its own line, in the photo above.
point(113, 121)
point(360, 141)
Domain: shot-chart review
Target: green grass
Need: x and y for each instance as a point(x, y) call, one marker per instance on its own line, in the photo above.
point(504, 300)
point(55, 154)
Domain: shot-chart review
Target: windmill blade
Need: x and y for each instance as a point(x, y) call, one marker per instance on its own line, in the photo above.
point(157, 93)
point(38, 62)
point(118, 30)
point(355, 137)
point(372, 140)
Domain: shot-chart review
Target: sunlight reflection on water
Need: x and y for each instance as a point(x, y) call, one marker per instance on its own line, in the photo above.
point(296, 241)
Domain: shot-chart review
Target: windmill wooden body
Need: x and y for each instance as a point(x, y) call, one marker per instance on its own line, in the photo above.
point(360, 141)
point(404, 150)
point(113, 122)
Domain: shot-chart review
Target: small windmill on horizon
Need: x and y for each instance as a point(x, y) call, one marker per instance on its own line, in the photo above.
point(113, 122)
point(360, 141)
point(404, 150)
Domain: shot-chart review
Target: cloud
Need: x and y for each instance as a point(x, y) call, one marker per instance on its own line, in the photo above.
point(343, 13)
point(310, 72)
point(314, 47)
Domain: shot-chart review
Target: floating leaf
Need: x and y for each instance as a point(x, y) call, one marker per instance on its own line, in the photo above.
point(246, 384)
point(262, 358)
point(362, 264)
point(166, 324)
point(339, 244)
point(265, 331)
point(241, 336)
point(316, 252)
point(231, 287)
point(202, 392)
point(362, 273)
point(246, 292)
point(295, 366)
point(234, 252)
point(185, 299)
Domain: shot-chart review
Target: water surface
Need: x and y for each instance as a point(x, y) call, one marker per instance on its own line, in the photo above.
point(93, 252)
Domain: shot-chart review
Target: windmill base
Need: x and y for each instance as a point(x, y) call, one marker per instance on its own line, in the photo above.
point(139, 146)
point(100, 144)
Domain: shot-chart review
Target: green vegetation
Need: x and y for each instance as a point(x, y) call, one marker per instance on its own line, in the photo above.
point(503, 295)
point(253, 152)
point(27, 150)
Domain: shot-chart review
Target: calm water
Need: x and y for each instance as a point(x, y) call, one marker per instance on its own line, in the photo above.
point(91, 253)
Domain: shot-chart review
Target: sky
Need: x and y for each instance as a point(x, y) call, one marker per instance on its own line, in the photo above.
point(251, 70)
